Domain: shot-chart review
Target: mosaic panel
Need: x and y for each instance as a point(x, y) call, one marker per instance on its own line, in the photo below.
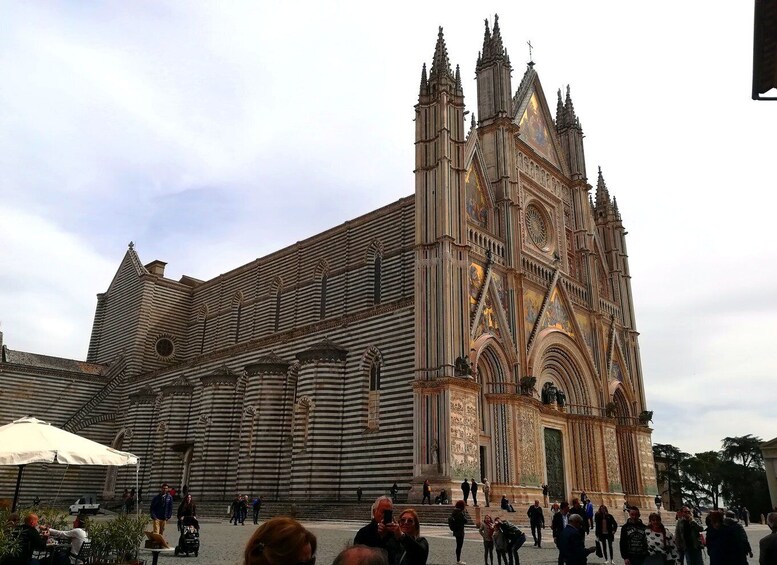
point(611, 458)
point(617, 372)
point(585, 328)
point(534, 130)
point(556, 315)
point(476, 277)
point(532, 302)
point(477, 201)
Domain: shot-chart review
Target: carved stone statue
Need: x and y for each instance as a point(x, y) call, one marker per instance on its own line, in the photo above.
point(527, 385)
point(462, 367)
point(610, 410)
point(548, 393)
point(561, 398)
point(645, 417)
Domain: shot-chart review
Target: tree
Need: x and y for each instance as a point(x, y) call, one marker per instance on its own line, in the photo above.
point(702, 478)
point(746, 449)
point(668, 459)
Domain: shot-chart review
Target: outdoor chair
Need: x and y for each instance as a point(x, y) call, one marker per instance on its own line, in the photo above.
point(84, 553)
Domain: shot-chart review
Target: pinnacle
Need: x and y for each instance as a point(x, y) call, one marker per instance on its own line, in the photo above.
point(441, 66)
point(493, 49)
point(560, 111)
point(602, 194)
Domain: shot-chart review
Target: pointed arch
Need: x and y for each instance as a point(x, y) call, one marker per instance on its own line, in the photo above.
point(557, 358)
point(237, 303)
point(322, 278)
point(371, 366)
point(374, 258)
point(276, 290)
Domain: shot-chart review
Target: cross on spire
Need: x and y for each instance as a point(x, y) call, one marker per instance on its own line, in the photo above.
point(530, 48)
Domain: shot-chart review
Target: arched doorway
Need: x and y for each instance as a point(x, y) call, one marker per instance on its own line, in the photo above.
point(492, 418)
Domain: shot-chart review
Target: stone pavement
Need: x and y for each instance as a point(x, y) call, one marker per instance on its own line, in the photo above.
point(223, 544)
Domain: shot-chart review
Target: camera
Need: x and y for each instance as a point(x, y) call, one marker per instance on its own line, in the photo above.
point(388, 516)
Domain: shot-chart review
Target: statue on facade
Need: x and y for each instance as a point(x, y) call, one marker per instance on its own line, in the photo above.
point(436, 456)
point(610, 410)
point(561, 398)
point(527, 385)
point(549, 393)
point(645, 417)
point(462, 367)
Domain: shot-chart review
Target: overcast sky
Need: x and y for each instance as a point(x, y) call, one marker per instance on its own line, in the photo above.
point(213, 133)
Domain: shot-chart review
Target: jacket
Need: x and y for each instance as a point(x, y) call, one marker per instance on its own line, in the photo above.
point(557, 525)
point(370, 537)
point(162, 507)
point(572, 547)
point(612, 525)
point(633, 540)
point(415, 551)
point(536, 516)
point(456, 522)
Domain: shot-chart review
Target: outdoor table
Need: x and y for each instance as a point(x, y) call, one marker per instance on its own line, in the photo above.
point(156, 552)
point(47, 555)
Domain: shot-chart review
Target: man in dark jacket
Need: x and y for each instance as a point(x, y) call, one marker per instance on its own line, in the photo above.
point(571, 543)
point(537, 522)
point(29, 540)
point(578, 509)
point(474, 490)
point(161, 509)
point(634, 546)
point(380, 532)
point(465, 490)
point(560, 521)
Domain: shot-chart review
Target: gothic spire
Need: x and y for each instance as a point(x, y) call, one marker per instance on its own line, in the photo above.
point(559, 111)
point(493, 48)
point(458, 79)
point(441, 66)
point(424, 80)
point(602, 194)
point(569, 109)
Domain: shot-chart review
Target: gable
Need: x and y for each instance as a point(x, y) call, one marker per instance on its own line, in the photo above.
point(556, 314)
point(535, 129)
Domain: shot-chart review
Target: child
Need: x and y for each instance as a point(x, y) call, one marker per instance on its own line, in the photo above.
point(500, 543)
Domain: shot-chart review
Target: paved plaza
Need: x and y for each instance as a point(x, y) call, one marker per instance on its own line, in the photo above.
point(223, 544)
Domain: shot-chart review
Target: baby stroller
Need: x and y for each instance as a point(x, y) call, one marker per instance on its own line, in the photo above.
point(189, 540)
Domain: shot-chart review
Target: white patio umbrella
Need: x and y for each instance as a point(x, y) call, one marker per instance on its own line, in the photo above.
point(29, 440)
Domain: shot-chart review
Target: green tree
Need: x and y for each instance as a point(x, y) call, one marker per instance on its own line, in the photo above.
point(745, 449)
point(702, 478)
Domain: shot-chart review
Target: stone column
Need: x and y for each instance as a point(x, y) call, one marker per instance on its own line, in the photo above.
point(217, 457)
point(265, 427)
point(318, 416)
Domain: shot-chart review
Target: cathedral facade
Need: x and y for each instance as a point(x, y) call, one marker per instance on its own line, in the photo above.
point(482, 327)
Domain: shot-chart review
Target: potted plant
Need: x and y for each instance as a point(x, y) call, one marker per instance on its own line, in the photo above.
point(118, 540)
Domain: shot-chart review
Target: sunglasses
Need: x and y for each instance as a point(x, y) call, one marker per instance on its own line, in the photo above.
point(407, 521)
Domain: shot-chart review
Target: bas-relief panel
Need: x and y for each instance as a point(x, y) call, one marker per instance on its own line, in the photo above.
point(556, 315)
point(476, 278)
point(611, 458)
point(464, 434)
point(532, 302)
point(647, 467)
point(534, 130)
point(477, 202)
point(529, 430)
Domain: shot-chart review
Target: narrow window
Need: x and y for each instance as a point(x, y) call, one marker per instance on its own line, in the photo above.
point(376, 279)
point(237, 324)
point(277, 322)
point(322, 308)
point(373, 402)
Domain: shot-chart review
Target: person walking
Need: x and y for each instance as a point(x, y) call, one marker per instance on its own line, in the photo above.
point(571, 546)
point(465, 490)
point(605, 527)
point(474, 490)
point(486, 529)
point(243, 509)
point(456, 522)
point(427, 492)
point(161, 509)
point(234, 510)
point(256, 506)
point(187, 509)
point(536, 522)
point(742, 543)
point(633, 546)
point(687, 537)
point(768, 544)
point(661, 546)
point(560, 521)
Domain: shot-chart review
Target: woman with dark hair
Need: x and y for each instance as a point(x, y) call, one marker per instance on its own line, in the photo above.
point(605, 527)
point(486, 529)
point(281, 541)
point(187, 509)
point(456, 523)
point(415, 548)
point(661, 546)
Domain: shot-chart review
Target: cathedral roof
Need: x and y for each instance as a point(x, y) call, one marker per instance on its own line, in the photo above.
point(49, 362)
